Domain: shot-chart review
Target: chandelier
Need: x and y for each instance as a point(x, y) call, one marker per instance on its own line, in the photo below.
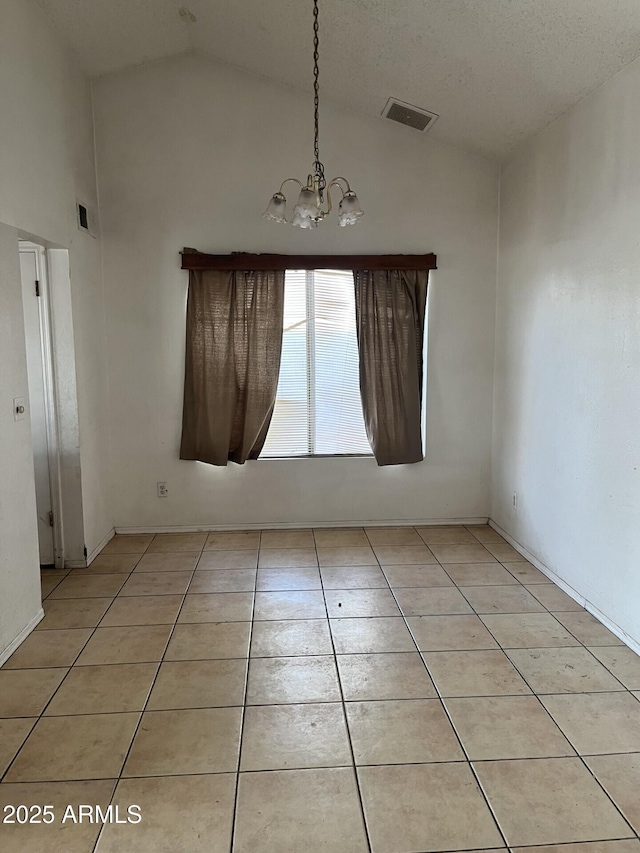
point(309, 208)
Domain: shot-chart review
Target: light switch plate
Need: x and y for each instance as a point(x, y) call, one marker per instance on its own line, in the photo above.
point(19, 408)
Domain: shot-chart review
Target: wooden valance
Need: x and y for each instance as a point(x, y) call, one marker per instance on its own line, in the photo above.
point(263, 262)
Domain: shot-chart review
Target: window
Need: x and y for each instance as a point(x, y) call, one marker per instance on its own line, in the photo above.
point(318, 410)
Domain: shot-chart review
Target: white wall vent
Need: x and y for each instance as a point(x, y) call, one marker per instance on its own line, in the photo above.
point(87, 219)
point(414, 117)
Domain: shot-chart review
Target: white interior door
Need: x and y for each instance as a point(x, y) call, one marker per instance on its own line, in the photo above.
point(37, 405)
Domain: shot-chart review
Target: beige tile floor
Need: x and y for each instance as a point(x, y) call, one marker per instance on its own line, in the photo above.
point(395, 690)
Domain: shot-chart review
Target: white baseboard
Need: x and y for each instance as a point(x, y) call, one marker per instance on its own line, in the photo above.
point(91, 557)
point(615, 629)
point(22, 636)
point(581, 600)
point(298, 525)
point(82, 564)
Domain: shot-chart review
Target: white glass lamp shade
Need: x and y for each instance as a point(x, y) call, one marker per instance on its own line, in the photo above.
point(350, 210)
point(276, 209)
point(303, 221)
point(308, 205)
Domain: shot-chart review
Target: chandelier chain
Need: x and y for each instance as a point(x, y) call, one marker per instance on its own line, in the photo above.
point(319, 168)
point(310, 208)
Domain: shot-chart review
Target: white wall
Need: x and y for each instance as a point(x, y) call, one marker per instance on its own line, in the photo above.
point(46, 162)
point(189, 152)
point(567, 386)
point(19, 574)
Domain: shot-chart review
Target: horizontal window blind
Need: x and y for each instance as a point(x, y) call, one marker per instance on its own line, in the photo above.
point(289, 431)
point(318, 409)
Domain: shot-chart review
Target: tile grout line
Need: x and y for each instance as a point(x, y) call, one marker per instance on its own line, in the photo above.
point(234, 813)
point(460, 761)
point(537, 695)
point(443, 566)
point(568, 739)
point(3, 776)
point(48, 702)
point(518, 583)
point(56, 585)
point(545, 609)
point(441, 699)
point(354, 768)
point(141, 713)
point(571, 843)
point(18, 751)
point(455, 731)
point(333, 701)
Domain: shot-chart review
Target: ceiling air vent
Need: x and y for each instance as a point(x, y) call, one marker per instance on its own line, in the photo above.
point(414, 117)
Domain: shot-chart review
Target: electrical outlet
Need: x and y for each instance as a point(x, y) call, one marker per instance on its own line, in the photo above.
point(163, 490)
point(514, 501)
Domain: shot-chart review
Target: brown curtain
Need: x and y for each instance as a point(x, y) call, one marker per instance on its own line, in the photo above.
point(234, 342)
point(390, 311)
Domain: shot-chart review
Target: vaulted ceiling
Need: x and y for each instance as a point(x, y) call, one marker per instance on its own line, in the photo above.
point(496, 71)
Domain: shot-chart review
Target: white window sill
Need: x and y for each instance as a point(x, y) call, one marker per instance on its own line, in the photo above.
point(316, 456)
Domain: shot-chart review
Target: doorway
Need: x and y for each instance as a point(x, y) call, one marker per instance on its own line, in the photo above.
point(42, 400)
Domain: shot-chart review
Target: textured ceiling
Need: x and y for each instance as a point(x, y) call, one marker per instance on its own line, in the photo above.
point(496, 71)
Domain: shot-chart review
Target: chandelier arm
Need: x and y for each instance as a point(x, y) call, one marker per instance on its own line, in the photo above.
point(335, 182)
point(332, 184)
point(286, 181)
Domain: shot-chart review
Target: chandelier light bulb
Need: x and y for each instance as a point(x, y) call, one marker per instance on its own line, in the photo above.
point(350, 209)
point(308, 211)
point(276, 209)
point(308, 203)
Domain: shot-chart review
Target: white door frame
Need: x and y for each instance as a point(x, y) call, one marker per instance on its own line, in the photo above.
point(50, 396)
